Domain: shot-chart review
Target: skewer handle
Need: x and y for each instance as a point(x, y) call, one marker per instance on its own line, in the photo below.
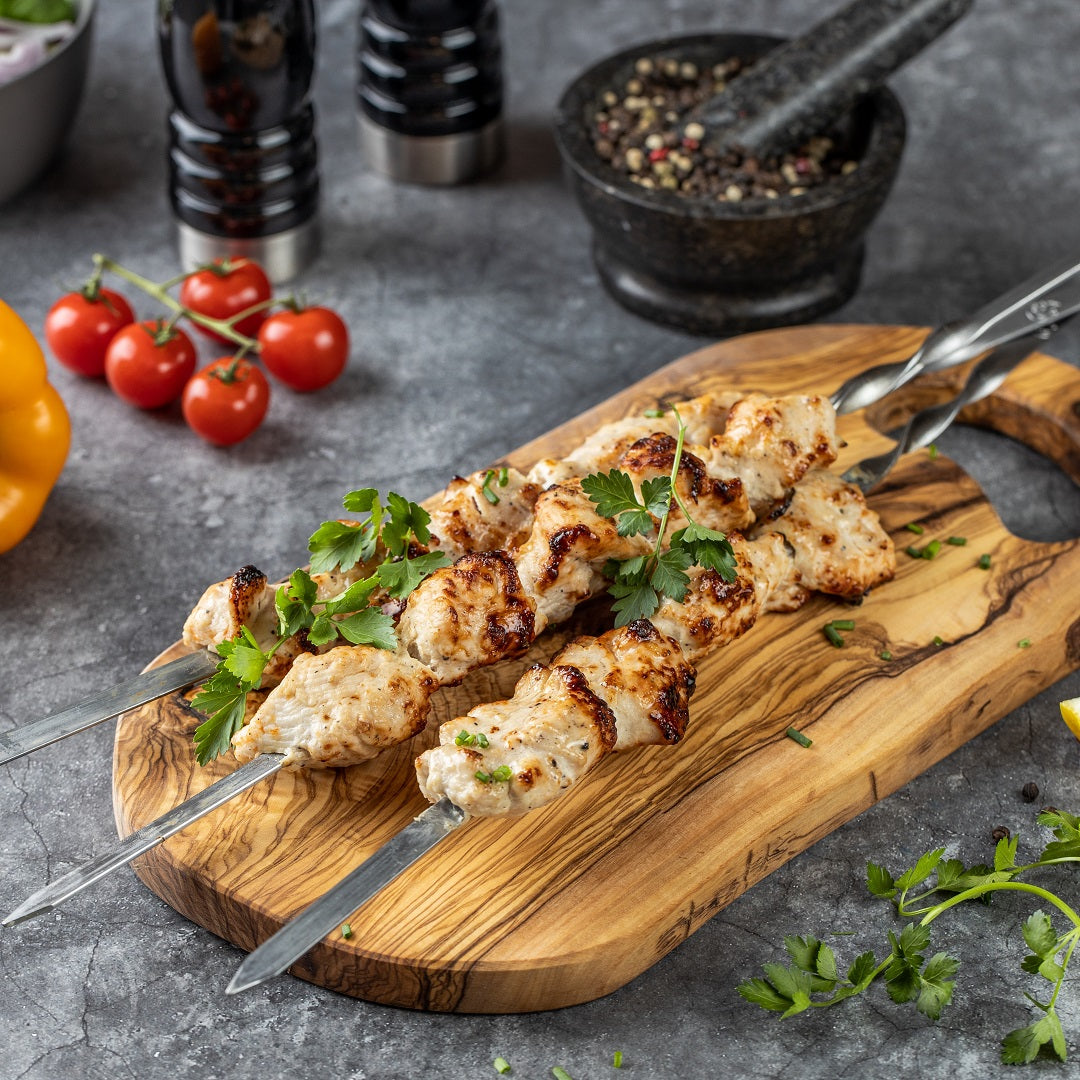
point(925, 426)
point(1043, 300)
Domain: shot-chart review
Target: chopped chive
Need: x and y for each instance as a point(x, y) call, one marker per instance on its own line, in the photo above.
point(931, 549)
point(654, 413)
point(482, 740)
point(984, 562)
point(501, 1065)
point(798, 737)
point(616, 1062)
point(914, 527)
point(560, 1073)
point(504, 476)
point(464, 738)
point(885, 654)
point(931, 451)
point(346, 931)
point(938, 640)
point(831, 633)
point(843, 624)
point(483, 777)
point(914, 552)
point(1024, 643)
point(486, 491)
point(957, 541)
point(503, 772)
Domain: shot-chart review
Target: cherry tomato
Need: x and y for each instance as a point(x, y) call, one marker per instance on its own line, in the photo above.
point(224, 289)
point(305, 349)
point(148, 363)
point(79, 329)
point(226, 401)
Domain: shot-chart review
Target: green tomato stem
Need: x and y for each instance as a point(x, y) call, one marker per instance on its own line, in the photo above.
point(159, 292)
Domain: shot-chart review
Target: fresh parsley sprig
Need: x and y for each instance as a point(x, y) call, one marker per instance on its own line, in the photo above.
point(395, 525)
point(908, 975)
point(638, 584)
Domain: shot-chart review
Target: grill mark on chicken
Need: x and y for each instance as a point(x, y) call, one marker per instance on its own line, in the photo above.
point(472, 613)
point(628, 687)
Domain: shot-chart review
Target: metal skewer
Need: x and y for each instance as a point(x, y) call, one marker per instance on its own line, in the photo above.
point(320, 918)
point(109, 703)
point(925, 426)
point(217, 794)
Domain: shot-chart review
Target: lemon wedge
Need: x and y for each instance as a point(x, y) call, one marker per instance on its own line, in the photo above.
point(1070, 713)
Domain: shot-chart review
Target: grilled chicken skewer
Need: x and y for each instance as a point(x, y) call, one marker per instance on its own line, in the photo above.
point(347, 705)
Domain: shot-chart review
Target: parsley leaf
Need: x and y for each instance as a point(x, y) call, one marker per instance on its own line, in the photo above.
point(401, 577)
point(369, 627)
point(880, 882)
point(935, 985)
point(244, 659)
point(406, 518)
point(656, 495)
point(1042, 940)
point(224, 707)
point(1024, 1045)
point(612, 492)
point(338, 544)
point(669, 574)
point(633, 602)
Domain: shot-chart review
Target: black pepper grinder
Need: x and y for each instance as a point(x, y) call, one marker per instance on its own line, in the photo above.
point(429, 89)
point(243, 161)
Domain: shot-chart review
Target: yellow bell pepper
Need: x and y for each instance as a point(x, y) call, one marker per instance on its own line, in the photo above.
point(35, 432)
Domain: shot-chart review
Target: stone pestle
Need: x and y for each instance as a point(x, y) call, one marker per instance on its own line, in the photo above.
point(799, 88)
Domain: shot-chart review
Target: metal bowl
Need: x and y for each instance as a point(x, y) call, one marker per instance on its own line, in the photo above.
point(37, 108)
point(720, 268)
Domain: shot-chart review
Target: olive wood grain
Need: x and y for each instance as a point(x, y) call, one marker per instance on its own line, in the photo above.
point(573, 901)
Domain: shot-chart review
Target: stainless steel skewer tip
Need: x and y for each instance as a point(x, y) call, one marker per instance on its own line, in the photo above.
point(30, 908)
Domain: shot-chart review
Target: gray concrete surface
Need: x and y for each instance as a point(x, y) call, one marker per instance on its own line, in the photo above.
point(478, 322)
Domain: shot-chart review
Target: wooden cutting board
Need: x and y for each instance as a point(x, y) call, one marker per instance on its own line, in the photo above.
point(575, 900)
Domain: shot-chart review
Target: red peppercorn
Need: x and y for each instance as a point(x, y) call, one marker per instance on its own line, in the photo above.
point(802, 165)
point(691, 144)
point(658, 154)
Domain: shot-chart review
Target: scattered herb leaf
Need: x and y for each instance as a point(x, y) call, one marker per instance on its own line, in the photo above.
point(813, 978)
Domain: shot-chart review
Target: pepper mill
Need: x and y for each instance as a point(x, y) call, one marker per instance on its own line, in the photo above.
point(429, 89)
point(243, 160)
